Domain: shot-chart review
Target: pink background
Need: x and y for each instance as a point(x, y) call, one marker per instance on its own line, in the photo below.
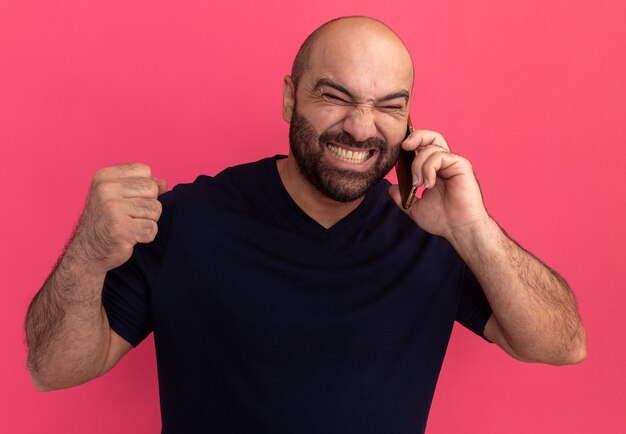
point(531, 91)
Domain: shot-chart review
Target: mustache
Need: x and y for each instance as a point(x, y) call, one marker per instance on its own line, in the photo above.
point(346, 139)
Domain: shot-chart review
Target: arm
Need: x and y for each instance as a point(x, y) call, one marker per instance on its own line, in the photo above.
point(68, 334)
point(535, 317)
point(67, 331)
point(534, 313)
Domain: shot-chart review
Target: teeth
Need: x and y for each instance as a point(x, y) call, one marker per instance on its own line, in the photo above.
point(352, 156)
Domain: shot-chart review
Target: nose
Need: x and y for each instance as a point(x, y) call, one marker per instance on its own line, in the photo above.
point(360, 124)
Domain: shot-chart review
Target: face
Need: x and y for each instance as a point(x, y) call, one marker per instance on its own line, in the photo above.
point(348, 113)
point(337, 180)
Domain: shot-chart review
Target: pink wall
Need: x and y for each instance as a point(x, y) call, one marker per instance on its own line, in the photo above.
point(531, 91)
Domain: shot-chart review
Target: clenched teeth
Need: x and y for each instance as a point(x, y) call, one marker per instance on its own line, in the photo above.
point(351, 156)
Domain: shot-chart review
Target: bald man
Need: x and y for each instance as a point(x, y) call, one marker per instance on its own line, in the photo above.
point(295, 294)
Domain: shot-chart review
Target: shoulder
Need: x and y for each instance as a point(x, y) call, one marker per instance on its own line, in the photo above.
point(231, 181)
point(233, 190)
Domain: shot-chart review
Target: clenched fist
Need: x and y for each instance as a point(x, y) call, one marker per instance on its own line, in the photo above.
point(122, 210)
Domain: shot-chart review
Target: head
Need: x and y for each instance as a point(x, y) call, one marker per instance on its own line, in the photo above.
point(347, 101)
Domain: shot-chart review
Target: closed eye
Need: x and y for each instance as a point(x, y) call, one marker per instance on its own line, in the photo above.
point(334, 98)
point(392, 109)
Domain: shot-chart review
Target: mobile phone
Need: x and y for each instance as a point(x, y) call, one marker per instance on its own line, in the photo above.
point(403, 172)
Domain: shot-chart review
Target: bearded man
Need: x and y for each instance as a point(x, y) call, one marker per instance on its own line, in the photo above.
point(295, 294)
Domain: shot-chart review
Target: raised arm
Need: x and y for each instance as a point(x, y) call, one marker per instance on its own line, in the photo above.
point(67, 331)
point(535, 318)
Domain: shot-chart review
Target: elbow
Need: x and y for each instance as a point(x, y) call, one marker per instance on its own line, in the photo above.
point(43, 379)
point(48, 380)
point(571, 359)
point(48, 384)
point(37, 377)
point(39, 384)
point(579, 354)
point(577, 351)
point(560, 355)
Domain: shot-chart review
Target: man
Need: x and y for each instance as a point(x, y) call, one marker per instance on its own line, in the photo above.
point(295, 294)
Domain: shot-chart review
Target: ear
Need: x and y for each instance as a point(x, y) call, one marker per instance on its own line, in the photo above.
point(288, 98)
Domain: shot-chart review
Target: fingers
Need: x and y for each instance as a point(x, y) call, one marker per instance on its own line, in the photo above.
point(123, 171)
point(417, 167)
point(423, 138)
point(142, 231)
point(141, 187)
point(128, 180)
point(443, 165)
point(424, 143)
point(122, 210)
point(139, 208)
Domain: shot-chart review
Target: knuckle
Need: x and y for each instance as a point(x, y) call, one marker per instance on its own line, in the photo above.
point(147, 230)
point(142, 168)
point(100, 174)
point(158, 206)
point(464, 161)
point(153, 187)
point(145, 206)
point(141, 184)
point(101, 188)
point(153, 207)
point(151, 227)
point(111, 207)
point(430, 158)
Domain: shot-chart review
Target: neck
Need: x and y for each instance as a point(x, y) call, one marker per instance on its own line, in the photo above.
point(320, 208)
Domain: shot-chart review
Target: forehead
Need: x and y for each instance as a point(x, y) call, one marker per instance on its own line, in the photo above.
point(369, 62)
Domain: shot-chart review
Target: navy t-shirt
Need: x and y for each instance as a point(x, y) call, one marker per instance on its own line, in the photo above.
point(266, 322)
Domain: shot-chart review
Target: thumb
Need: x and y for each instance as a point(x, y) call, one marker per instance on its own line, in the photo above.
point(162, 185)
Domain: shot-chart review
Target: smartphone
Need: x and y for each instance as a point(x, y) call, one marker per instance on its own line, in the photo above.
point(403, 172)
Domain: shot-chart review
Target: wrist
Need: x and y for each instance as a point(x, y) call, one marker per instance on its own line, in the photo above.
point(469, 239)
point(77, 281)
point(79, 260)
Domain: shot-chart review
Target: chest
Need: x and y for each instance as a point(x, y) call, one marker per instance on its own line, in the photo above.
point(272, 291)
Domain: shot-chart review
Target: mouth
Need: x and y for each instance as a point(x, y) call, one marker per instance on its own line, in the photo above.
point(350, 155)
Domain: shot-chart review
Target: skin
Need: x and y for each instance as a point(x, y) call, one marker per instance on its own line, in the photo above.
point(535, 316)
point(68, 334)
point(372, 64)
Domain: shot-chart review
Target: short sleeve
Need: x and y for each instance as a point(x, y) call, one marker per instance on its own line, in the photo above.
point(126, 291)
point(474, 310)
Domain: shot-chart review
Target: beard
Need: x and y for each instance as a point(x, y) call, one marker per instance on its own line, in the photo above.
point(341, 185)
